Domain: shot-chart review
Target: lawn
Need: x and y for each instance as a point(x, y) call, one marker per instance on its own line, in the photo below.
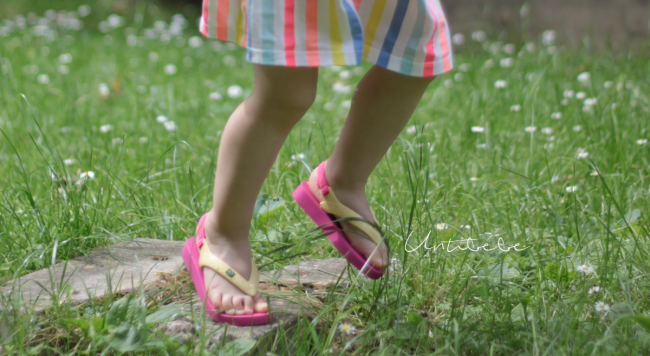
point(110, 126)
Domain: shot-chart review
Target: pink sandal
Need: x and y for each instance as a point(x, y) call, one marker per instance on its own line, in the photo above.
point(196, 255)
point(326, 212)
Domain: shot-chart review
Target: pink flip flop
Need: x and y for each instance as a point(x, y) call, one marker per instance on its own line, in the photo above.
point(196, 255)
point(324, 215)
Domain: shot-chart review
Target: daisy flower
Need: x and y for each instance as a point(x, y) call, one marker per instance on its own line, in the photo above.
point(458, 39)
point(170, 69)
point(582, 153)
point(234, 91)
point(569, 94)
point(601, 307)
point(478, 129)
point(584, 77)
point(586, 269)
point(594, 290)
point(161, 119)
point(594, 174)
point(170, 126)
point(411, 130)
point(105, 128)
point(571, 189)
point(347, 328)
point(441, 226)
point(473, 179)
point(506, 63)
point(556, 115)
point(86, 175)
point(581, 95)
point(215, 96)
point(65, 58)
point(577, 128)
point(641, 141)
point(299, 156)
point(68, 161)
point(608, 84)
point(500, 84)
point(547, 131)
point(530, 129)
point(104, 90)
point(515, 108)
point(43, 78)
point(195, 42)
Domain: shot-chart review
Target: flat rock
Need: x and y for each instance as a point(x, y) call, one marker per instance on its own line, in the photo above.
point(124, 267)
point(316, 273)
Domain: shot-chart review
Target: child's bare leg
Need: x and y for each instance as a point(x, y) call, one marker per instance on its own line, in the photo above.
point(382, 105)
point(249, 145)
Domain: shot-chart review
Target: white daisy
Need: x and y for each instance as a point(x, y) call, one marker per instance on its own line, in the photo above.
point(594, 174)
point(215, 96)
point(547, 131)
point(581, 153)
point(345, 74)
point(569, 94)
point(530, 129)
point(105, 128)
point(86, 175)
point(586, 269)
point(441, 226)
point(68, 161)
point(515, 108)
point(170, 126)
point(509, 48)
point(584, 77)
point(590, 102)
point(608, 84)
point(299, 157)
point(195, 41)
point(500, 84)
point(411, 130)
point(506, 62)
point(346, 104)
point(64, 70)
point(473, 179)
point(548, 37)
point(571, 188)
point(556, 115)
point(594, 290)
point(170, 69)
point(463, 67)
point(104, 90)
point(478, 129)
point(478, 36)
point(581, 95)
point(43, 78)
point(347, 328)
point(564, 102)
point(577, 128)
point(161, 119)
point(65, 58)
point(339, 87)
point(482, 145)
point(601, 307)
point(641, 141)
point(234, 91)
point(458, 39)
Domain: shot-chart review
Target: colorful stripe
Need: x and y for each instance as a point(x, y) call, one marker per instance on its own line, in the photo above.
point(406, 36)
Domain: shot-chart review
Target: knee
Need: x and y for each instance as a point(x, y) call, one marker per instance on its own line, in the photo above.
point(292, 101)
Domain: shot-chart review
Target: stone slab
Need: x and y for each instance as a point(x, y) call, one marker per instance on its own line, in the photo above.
point(123, 267)
point(318, 274)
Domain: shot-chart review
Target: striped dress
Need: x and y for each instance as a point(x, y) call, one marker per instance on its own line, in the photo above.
point(406, 36)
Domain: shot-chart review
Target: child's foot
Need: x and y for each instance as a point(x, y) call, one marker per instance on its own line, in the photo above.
point(224, 296)
point(357, 201)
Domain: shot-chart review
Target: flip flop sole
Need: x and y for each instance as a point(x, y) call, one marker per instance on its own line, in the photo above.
point(190, 255)
point(308, 202)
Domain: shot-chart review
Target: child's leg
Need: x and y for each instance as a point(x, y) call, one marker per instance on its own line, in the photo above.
point(382, 105)
point(249, 145)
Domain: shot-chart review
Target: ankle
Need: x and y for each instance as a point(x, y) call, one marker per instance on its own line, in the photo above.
point(216, 233)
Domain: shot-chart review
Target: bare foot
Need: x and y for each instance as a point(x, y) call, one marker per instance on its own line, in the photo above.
point(224, 296)
point(358, 202)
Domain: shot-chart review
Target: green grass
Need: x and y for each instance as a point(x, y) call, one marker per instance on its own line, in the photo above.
point(503, 182)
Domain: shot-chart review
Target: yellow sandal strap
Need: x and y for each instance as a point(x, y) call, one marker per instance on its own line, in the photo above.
point(207, 259)
point(332, 206)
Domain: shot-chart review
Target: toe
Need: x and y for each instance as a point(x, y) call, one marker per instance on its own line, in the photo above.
point(215, 298)
point(260, 304)
point(238, 304)
point(227, 304)
point(248, 305)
